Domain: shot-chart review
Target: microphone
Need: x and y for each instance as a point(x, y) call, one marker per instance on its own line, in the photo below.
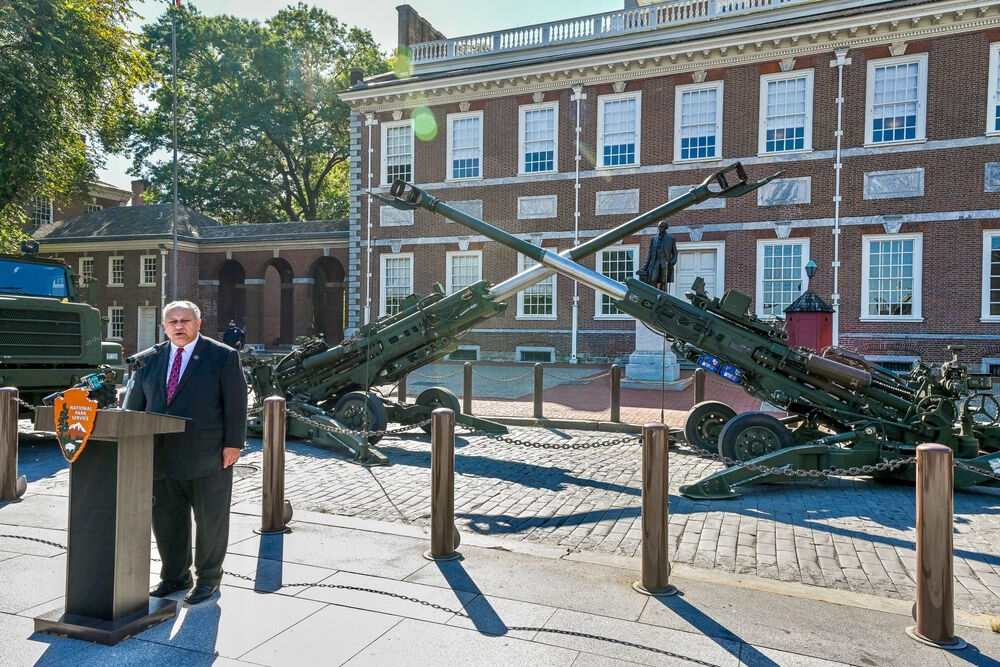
point(89, 382)
point(139, 356)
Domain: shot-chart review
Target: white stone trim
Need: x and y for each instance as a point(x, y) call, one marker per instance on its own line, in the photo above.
point(921, 127)
point(784, 191)
point(394, 217)
point(993, 96)
point(450, 256)
point(519, 349)
point(383, 166)
point(521, 111)
point(382, 259)
point(679, 92)
point(449, 166)
point(895, 183)
point(616, 202)
point(537, 207)
point(759, 289)
point(917, 305)
point(601, 101)
point(765, 79)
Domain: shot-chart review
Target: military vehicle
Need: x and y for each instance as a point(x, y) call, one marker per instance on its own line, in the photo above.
point(330, 388)
point(843, 412)
point(50, 339)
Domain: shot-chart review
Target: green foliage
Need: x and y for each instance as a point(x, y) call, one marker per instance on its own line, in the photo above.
point(262, 134)
point(67, 72)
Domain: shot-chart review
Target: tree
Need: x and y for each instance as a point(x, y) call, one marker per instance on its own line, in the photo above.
point(262, 134)
point(67, 72)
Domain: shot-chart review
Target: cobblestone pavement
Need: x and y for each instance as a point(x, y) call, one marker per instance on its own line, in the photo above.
point(848, 533)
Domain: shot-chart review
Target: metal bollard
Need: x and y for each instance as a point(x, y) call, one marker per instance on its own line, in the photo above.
point(467, 388)
point(444, 536)
point(935, 607)
point(699, 385)
point(12, 487)
point(616, 393)
point(539, 385)
point(401, 390)
point(655, 496)
point(273, 517)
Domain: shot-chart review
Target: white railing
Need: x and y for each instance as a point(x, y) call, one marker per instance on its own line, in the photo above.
point(596, 26)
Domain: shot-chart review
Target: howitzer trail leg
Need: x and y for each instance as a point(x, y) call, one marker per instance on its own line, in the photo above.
point(356, 447)
point(719, 485)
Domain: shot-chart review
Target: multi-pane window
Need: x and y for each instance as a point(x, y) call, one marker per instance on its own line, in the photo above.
point(86, 270)
point(92, 208)
point(465, 145)
point(116, 322)
point(538, 137)
point(891, 275)
point(698, 122)
point(780, 275)
point(897, 90)
point(149, 265)
point(619, 264)
point(991, 275)
point(993, 100)
point(539, 300)
point(464, 268)
point(618, 129)
point(397, 281)
point(41, 211)
point(786, 112)
point(397, 151)
point(116, 271)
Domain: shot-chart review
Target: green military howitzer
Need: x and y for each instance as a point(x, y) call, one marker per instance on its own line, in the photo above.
point(844, 412)
point(328, 389)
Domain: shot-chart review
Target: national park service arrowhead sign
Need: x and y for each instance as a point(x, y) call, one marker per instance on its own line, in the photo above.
point(75, 413)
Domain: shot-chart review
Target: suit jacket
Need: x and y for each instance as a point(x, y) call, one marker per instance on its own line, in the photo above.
point(211, 394)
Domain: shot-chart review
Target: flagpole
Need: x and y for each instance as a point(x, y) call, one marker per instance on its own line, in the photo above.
point(173, 56)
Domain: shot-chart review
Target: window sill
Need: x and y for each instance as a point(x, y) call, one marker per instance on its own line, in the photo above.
point(538, 173)
point(616, 167)
point(613, 318)
point(990, 319)
point(115, 285)
point(890, 144)
point(542, 318)
point(463, 180)
point(146, 285)
point(890, 319)
point(697, 160)
point(778, 154)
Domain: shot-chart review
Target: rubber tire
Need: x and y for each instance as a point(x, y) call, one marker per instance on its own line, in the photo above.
point(438, 397)
point(775, 433)
point(348, 408)
point(705, 420)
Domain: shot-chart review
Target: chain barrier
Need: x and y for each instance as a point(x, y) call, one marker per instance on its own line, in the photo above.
point(436, 377)
point(647, 382)
point(590, 444)
point(581, 379)
point(36, 539)
point(25, 404)
point(333, 429)
point(492, 379)
point(979, 471)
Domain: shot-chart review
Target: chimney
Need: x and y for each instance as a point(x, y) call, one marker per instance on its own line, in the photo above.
point(138, 187)
point(357, 76)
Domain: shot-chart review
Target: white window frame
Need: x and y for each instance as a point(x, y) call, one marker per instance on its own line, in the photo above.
point(678, 290)
point(678, 118)
point(383, 258)
point(142, 270)
point(601, 101)
point(111, 271)
point(598, 297)
point(881, 359)
point(993, 99)
point(988, 236)
point(518, 349)
point(521, 111)
point(453, 254)
point(91, 207)
point(921, 127)
point(761, 244)
point(384, 161)
point(450, 168)
point(81, 274)
point(918, 254)
point(35, 201)
point(807, 131)
point(468, 348)
point(112, 311)
point(523, 265)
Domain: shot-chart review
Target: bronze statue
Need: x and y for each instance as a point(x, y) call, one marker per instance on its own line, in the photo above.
point(659, 268)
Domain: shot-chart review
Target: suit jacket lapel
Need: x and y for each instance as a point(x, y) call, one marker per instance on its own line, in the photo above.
point(160, 373)
point(197, 354)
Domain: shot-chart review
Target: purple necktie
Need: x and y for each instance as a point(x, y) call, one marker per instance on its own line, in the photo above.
point(175, 375)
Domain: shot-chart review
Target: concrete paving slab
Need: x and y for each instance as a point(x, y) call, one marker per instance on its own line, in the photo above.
point(409, 600)
point(769, 657)
point(4, 555)
point(496, 616)
point(413, 642)
point(29, 581)
point(19, 646)
point(272, 576)
point(138, 652)
point(556, 583)
point(231, 624)
point(369, 553)
point(40, 511)
point(637, 642)
point(308, 642)
point(32, 540)
point(594, 660)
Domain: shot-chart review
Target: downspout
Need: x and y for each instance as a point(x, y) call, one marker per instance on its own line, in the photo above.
point(371, 123)
point(838, 165)
point(577, 97)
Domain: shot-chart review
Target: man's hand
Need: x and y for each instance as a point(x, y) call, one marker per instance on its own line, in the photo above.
point(230, 455)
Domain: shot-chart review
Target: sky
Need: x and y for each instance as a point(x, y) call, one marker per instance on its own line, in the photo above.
point(453, 18)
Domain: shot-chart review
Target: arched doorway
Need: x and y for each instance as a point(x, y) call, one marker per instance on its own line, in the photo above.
point(277, 305)
point(329, 299)
point(232, 303)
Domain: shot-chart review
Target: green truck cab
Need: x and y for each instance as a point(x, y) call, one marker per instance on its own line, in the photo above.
point(49, 337)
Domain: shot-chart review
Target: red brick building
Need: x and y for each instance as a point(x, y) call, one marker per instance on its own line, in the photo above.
point(884, 115)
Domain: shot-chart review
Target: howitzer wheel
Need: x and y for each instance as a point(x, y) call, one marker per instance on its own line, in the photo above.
point(438, 397)
point(984, 408)
point(359, 411)
point(753, 434)
point(704, 423)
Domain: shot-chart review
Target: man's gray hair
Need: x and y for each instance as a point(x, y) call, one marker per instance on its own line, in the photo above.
point(181, 304)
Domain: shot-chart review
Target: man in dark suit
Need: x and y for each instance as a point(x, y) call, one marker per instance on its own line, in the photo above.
point(201, 379)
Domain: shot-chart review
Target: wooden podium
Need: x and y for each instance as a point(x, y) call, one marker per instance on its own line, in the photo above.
point(110, 522)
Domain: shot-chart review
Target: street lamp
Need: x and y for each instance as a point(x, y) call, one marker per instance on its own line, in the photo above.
point(811, 267)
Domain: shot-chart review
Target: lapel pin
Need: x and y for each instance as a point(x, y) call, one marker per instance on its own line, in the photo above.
point(195, 357)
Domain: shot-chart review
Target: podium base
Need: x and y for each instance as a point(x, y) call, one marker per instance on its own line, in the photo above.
point(104, 631)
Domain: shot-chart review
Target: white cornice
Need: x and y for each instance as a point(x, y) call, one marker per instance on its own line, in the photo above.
point(189, 246)
point(851, 32)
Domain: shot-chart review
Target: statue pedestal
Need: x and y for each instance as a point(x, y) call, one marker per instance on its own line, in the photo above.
point(652, 366)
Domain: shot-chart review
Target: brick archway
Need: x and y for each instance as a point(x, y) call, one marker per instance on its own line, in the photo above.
point(329, 299)
point(277, 305)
